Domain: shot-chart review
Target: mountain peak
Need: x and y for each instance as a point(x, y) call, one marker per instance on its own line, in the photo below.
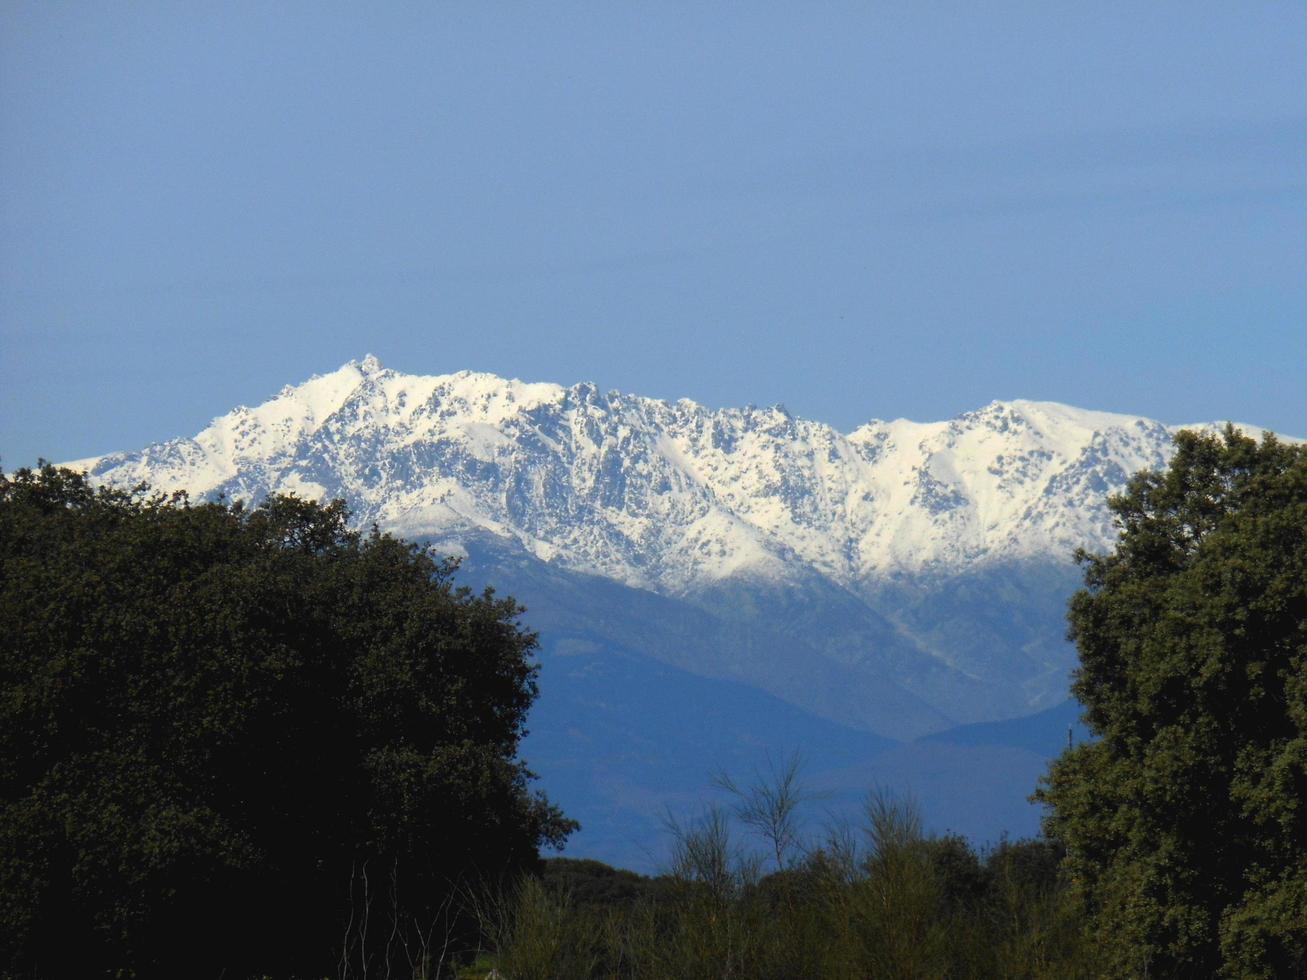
point(368, 366)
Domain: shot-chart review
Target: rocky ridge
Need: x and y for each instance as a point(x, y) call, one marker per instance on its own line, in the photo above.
point(663, 495)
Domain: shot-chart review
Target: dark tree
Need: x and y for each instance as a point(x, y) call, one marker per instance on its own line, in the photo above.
point(243, 739)
point(1185, 822)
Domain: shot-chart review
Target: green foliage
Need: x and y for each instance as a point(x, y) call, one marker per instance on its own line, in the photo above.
point(887, 901)
point(1185, 822)
point(239, 738)
point(594, 884)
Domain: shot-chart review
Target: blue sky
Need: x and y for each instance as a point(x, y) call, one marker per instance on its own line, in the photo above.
point(860, 210)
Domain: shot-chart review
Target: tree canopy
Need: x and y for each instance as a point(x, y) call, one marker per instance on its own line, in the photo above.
point(1185, 821)
point(228, 734)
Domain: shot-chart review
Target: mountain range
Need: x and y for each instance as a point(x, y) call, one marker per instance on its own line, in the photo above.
point(717, 587)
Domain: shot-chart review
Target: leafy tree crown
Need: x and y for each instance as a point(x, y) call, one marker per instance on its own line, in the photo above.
point(214, 717)
point(1185, 820)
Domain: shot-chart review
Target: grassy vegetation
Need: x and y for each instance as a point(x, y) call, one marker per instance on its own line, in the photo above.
point(883, 900)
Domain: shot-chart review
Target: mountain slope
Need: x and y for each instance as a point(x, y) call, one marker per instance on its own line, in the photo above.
point(901, 578)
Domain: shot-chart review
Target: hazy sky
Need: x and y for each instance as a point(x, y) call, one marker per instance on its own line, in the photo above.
point(860, 210)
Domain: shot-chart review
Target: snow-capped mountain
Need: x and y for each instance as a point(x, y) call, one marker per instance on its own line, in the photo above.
point(720, 587)
point(669, 496)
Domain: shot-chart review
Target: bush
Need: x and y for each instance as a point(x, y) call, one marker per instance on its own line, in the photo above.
point(890, 901)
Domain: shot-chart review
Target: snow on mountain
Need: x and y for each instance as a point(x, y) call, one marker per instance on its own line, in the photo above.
point(720, 587)
point(668, 495)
